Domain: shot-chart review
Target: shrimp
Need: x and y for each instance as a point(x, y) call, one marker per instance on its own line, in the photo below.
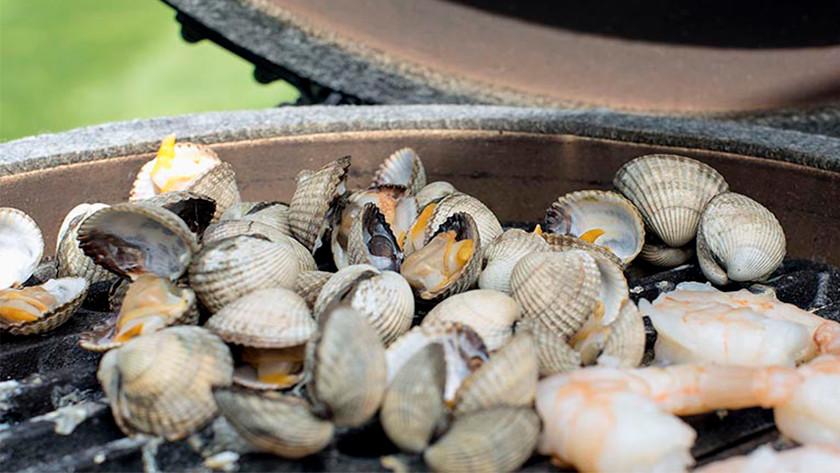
point(806, 459)
point(698, 323)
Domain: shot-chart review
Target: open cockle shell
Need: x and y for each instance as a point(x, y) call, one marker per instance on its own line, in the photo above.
point(491, 314)
point(502, 255)
point(433, 192)
point(136, 239)
point(383, 297)
point(492, 440)
point(372, 242)
point(39, 309)
point(274, 423)
point(604, 218)
point(162, 383)
point(403, 167)
point(72, 261)
point(486, 223)
point(21, 247)
point(670, 192)
point(197, 211)
point(739, 240)
point(313, 199)
point(413, 407)
point(347, 374)
point(567, 242)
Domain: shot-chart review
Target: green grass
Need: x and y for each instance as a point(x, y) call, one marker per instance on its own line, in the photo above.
point(71, 63)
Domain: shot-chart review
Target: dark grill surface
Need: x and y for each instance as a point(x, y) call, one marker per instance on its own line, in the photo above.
point(48, 383)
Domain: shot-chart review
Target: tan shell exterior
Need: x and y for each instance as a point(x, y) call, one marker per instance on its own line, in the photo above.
point(626, 342)
point(413, 406)
point(72, 261)
point(670, 192)
point(485, 220)
point(559, 289)
point(403, 167)
point(273, 423)
point(231, 228)
point(268, 318)
point(162, 383)
point(347, 373)
point(567, 242)
point(275, 214)
point(491, 314)
point(502, 255)
point(309, 284)
point(23, 231)
point(493, 440)
point(554, 355)
point(434, 191)
point(315, 193)
point(52, 319)
point(508, 378)
point(226, 270)
point(306, 262)
point(219, 184)
point(383, 297)
point(581, 211)
point(659, 254)
point(741, 234)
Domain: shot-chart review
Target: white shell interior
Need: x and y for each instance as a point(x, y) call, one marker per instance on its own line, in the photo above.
point(81, 210)
point(21, 247)
point(618, 223)
point(65, 289)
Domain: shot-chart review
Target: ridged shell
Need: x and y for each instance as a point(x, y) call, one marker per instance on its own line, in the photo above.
point(413, 406)
point(143, 187)
point(485, 220)
point(72, 261)
point(502, 255)
point(21, 246)
point(347, 374)
point(491, 314)
point(567, 242)
point(268, 318)
point(626, 341)
point(739, 240)
point(312, 200)
point(231, 228)
point(309, 285)
point(276, 424)
point(434, 191)
point(69, 292)
point(237, 211)
point(493, 440)
point(162, 383)
point(662, 255)
point(272, 213)
point(580, 212)
point(135, 239)
point(554, 355)
point(219, 184)
point(226, 270)
point(508, 378)
point(383, 297)
point(195, 210)
point(670, 192)
point(384, 253)
point(402, 167)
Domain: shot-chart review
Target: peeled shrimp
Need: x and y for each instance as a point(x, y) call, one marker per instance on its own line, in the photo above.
point(807, 459)
point(697, 323)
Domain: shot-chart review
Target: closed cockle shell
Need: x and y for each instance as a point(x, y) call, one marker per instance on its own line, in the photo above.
point(231, 228)
point(625, 344)
point(670, 192)
point(567, 242)
point(313, 199)
point(162, 383)
point(508, 378)
point(485, 220)
point(72, 261)
point(659, 254)
point(604, 218)
point(226, 270)
point(21, 247)
point(275, 214)
point(347, 374)
point(502, 255)
point(309, 284)
point(413, 407)
point(197, 211)
point(434, 191)
point(491, 314)
point(274, 423)
point(739, 240)
point(383, 297)
point(554, 355)
point(67, 296)
point(493, 440)
point(403, 167)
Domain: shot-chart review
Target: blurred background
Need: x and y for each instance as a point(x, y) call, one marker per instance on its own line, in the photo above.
point(67, 64)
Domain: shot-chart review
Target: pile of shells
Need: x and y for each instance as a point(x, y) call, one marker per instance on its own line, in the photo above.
point(219, 305)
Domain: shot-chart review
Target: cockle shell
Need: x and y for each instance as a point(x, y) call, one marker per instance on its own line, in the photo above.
point(274, 423)
point(493, 440)
point(72, 261)
point(739, 240)
point(309, 284)
point(347, 374)
point(491, 314)
point(670, 192)
point(231, 228)
point(21, 247)
point(554, 355)
point(625, 342)
point(383, 297)
point(508, 378)
point(659, 254)
point(313, 199)
point(226, 270)
point(432, 192)
point(413, 407)
point(372, 242)
point(502, 255)
point(197, 211)
point(143, 188)
point(162, 383)
point(486, 223)
point(604, 218)
point(236, 211)
point(402, 167)
point(68, 294)
point(567, 242)
point(275, 214)
point(136, 239)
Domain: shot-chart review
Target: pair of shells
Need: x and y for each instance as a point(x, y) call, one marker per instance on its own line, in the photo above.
point(162, 383)
point(36, 309)
point(269, 219)
point(314, 201)
point(671, 193)
point(383, 297)
point(431, 219)
point(189, 167)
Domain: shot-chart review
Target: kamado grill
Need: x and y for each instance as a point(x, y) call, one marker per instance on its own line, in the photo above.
point(52, 413)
